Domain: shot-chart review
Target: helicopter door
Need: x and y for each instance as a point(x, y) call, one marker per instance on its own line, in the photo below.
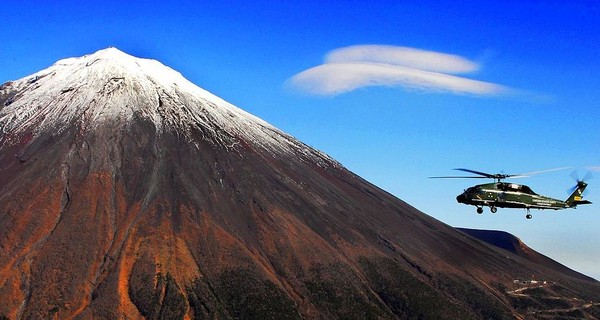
point(502, 196)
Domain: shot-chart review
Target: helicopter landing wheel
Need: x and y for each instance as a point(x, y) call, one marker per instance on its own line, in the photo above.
point(493, 209)
point(529, 216)
point(479, 210)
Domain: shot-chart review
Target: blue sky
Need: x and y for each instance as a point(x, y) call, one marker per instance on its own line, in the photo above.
point(540, 59)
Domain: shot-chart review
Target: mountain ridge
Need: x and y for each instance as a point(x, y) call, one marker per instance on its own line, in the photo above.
point(512, 243)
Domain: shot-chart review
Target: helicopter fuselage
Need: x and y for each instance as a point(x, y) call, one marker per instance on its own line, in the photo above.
point(508, 195)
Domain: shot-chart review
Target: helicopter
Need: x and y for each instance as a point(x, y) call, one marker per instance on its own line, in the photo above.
point(511, 195)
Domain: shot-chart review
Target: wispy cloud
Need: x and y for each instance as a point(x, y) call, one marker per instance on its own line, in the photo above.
point(354, 67)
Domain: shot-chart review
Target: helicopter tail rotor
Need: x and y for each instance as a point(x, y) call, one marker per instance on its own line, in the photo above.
point(577, 191)
point(575, 175)
point(579, 182)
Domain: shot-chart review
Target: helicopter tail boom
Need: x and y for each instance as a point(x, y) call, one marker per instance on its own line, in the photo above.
point(575, 198)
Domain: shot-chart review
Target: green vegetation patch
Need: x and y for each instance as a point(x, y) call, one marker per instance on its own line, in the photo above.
point(156, 296)
point(203, 301)
point(482, 303)
point(247, 295)
point(338, 294)
point(406, 295)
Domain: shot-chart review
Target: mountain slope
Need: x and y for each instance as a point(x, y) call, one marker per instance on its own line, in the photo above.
point(513, 244)
point(128, 192)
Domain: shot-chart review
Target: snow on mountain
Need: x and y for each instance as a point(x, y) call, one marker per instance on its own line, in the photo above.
point(119, 88)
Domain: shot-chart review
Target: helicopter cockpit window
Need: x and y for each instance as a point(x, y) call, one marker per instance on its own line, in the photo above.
point(472, 190)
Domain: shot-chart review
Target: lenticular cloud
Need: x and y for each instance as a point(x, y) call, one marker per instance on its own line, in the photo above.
point(402, 56)
point(350, 68)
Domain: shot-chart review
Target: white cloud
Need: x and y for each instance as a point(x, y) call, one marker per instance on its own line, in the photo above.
point(354, 67)
point(336, 78)
point(403, 56)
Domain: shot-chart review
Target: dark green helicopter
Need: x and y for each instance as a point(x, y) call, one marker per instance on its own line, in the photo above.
point(511, 195)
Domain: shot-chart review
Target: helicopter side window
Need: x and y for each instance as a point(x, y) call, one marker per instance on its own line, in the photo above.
point(526, 189)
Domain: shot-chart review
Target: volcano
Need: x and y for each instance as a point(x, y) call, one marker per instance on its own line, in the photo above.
point(127, 192)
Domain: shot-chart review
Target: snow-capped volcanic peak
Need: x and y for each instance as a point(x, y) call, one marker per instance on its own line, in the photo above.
point(109, 88)
point(108, 85)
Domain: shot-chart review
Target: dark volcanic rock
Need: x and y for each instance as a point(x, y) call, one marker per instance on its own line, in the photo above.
point(128, 192)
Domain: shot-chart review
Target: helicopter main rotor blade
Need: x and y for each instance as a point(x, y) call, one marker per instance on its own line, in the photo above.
point(498, 176)
point(527, 174)
point(486, 175)
point(458, 177)
point(504, 176)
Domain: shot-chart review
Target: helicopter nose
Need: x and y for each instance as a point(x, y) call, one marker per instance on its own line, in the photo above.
point(461, 198)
